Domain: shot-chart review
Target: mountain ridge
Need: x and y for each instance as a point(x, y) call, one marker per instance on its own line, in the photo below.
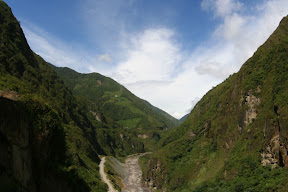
point(106, 92)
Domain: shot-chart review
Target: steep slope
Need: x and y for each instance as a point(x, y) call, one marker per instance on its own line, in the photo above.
point(50, 140)
point(116, 101)
point(33, 149)
point(235, 139)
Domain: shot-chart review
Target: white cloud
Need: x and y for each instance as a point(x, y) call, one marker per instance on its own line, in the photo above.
point(239, 35)
point(156, 69)
point(232, 26)
point(177, 115)
point(209, 67)
point(105, 58)
point(153, 64)
point(222, 8)
point(151, 55)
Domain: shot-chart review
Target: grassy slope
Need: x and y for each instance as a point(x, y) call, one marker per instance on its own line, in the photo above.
point(213, 150)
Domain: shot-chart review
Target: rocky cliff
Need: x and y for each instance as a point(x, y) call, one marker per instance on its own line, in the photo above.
point(32, 156)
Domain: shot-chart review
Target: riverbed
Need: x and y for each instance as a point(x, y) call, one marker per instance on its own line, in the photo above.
point(132, 177)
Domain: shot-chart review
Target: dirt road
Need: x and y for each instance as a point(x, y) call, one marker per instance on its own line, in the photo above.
point(104, 176)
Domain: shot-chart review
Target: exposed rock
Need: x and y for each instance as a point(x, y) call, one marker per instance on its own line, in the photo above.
point(258, 89)
point(121, 136)
point(283, 155)
point(98, 117)
point(227, 146)
point(155, 176)
point(99, 83)
point(9, 95)
point(275, 144)
point(248, 116)
point(275, 153)
point(251, 113)
point(143, 136)
point(191, 134)
point(240, 129)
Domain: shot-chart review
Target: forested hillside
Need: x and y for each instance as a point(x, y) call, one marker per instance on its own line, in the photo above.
point(50, 139)
point(235, 138)
point(118, 103)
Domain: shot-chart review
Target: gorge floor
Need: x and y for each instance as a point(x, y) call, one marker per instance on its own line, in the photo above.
point(132, 180)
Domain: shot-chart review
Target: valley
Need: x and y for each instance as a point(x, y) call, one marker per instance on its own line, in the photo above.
point(61, 130)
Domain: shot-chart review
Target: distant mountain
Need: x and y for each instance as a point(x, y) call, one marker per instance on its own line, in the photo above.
point(182, 119)
point(116, 102)
point(235, 138)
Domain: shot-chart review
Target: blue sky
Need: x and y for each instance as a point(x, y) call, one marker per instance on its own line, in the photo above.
point(168, 52)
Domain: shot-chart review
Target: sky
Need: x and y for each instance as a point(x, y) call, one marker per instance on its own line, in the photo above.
point(168, 52)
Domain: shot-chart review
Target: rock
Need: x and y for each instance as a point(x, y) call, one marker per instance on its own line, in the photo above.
point(12, 95)
point(191, 134)
point(250, 115)
point(143, 136)
point(249, 103)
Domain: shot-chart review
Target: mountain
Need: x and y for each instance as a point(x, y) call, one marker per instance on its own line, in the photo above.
point(53, 130)
point(116, 102)
point(50, 140)
point(235, 138)
point(182, 119)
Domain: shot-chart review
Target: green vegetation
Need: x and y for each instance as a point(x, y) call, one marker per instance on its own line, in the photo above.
point(67, 132)
point(116, 102)
point(219, 145)
point(70, 128)
point(52, 131)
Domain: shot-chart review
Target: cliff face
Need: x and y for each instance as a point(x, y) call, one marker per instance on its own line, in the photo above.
point(15, 151)
point(30, 155)
point(237, 132)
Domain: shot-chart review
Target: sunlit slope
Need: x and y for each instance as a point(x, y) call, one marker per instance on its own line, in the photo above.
point(116, 101)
